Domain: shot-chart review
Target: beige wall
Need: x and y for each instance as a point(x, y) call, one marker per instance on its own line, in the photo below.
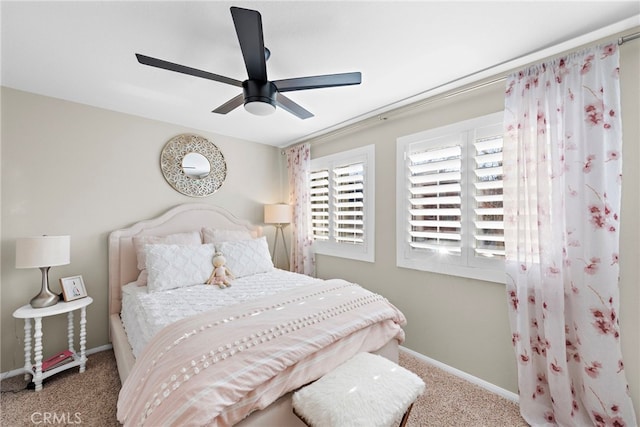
point(72, 169)
point(464, 322)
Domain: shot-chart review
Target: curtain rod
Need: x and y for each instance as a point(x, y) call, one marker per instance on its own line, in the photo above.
point(622, 40)
point(403, 109)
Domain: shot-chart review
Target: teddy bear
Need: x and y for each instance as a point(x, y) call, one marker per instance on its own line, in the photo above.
point(221, 274)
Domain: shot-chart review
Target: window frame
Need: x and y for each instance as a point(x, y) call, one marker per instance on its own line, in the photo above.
point(360, 252)
point(466, 264)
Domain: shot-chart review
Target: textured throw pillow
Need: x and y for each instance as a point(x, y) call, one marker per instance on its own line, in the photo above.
point(189, 238)
point(211, 235)
point(246, 257)
point(177, 266)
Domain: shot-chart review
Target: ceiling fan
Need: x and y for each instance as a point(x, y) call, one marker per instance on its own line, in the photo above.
point(259, 95)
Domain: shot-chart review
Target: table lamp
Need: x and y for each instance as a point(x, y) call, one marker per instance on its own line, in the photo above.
point(278, 215)
point(43, 252)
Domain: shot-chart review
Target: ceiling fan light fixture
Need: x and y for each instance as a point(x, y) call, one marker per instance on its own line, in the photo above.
point(260, 108)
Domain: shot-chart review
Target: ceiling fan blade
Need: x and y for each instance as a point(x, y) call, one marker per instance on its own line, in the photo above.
point(317, 82)
point(248, 25)
point(166, 65)
point(290, 106)
point(231, 104)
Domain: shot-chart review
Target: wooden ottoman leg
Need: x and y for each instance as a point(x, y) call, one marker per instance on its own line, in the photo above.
point(405, 417)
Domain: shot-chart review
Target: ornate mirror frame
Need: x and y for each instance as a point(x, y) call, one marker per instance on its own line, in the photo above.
point(171, 163)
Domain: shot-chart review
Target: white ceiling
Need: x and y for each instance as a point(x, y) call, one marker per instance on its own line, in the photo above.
point(84, 52)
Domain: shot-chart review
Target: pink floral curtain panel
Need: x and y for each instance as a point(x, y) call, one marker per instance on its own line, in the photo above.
point(299, 171)
point(562, 157)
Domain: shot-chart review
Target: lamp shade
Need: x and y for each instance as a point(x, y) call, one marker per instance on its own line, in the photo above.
point(43, 251)
point(277, 214)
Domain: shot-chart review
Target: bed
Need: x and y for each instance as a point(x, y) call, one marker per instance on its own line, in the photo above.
point(262, 292)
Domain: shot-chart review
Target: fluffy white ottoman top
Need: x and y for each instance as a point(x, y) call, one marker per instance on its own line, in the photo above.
point(367, 390)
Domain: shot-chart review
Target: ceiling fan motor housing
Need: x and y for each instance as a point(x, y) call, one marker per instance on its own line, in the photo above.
point(257, 91)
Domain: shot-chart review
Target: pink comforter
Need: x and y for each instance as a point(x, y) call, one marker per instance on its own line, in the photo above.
point(218, 367)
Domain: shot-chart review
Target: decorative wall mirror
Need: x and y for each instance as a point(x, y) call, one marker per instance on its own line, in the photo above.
point(193, 165)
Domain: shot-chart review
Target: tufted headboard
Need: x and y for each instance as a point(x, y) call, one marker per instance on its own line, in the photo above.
point(182, 218)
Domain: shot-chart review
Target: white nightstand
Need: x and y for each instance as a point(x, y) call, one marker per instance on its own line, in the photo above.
point(27, 313)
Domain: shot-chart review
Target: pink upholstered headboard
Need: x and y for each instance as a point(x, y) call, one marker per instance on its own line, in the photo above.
point(187, 217)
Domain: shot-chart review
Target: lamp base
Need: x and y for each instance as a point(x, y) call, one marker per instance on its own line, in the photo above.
point(279, 228)
point(45, 298)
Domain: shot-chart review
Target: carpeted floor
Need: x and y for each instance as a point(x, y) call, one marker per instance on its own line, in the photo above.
point(90, 399)
point(450, 401)
point(87, 399)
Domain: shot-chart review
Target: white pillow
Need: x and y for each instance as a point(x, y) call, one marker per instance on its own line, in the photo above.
point(139, 243)
point(176, 266)
point(211, 235)
point(246, 257)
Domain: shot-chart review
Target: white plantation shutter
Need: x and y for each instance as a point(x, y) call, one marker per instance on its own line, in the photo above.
point(435, 199)
point(342, 204)
point(348, 194)
point(488, 212)
point(449, 214)
point(320, 204)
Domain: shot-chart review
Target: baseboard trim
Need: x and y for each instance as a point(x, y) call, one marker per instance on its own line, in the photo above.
point(15, 372)
point(509, 395)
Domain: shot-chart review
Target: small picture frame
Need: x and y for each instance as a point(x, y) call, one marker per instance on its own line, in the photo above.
point(73, 288)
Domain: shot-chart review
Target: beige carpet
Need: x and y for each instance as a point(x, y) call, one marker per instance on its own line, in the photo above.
point(450, 401)
point(87, 399)
point(90, 399)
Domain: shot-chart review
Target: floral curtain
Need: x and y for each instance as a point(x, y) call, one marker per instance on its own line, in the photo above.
point(299, 171)
point(562, 166)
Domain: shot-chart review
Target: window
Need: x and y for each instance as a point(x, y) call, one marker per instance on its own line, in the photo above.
point(449, 200)
point(342, 204)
